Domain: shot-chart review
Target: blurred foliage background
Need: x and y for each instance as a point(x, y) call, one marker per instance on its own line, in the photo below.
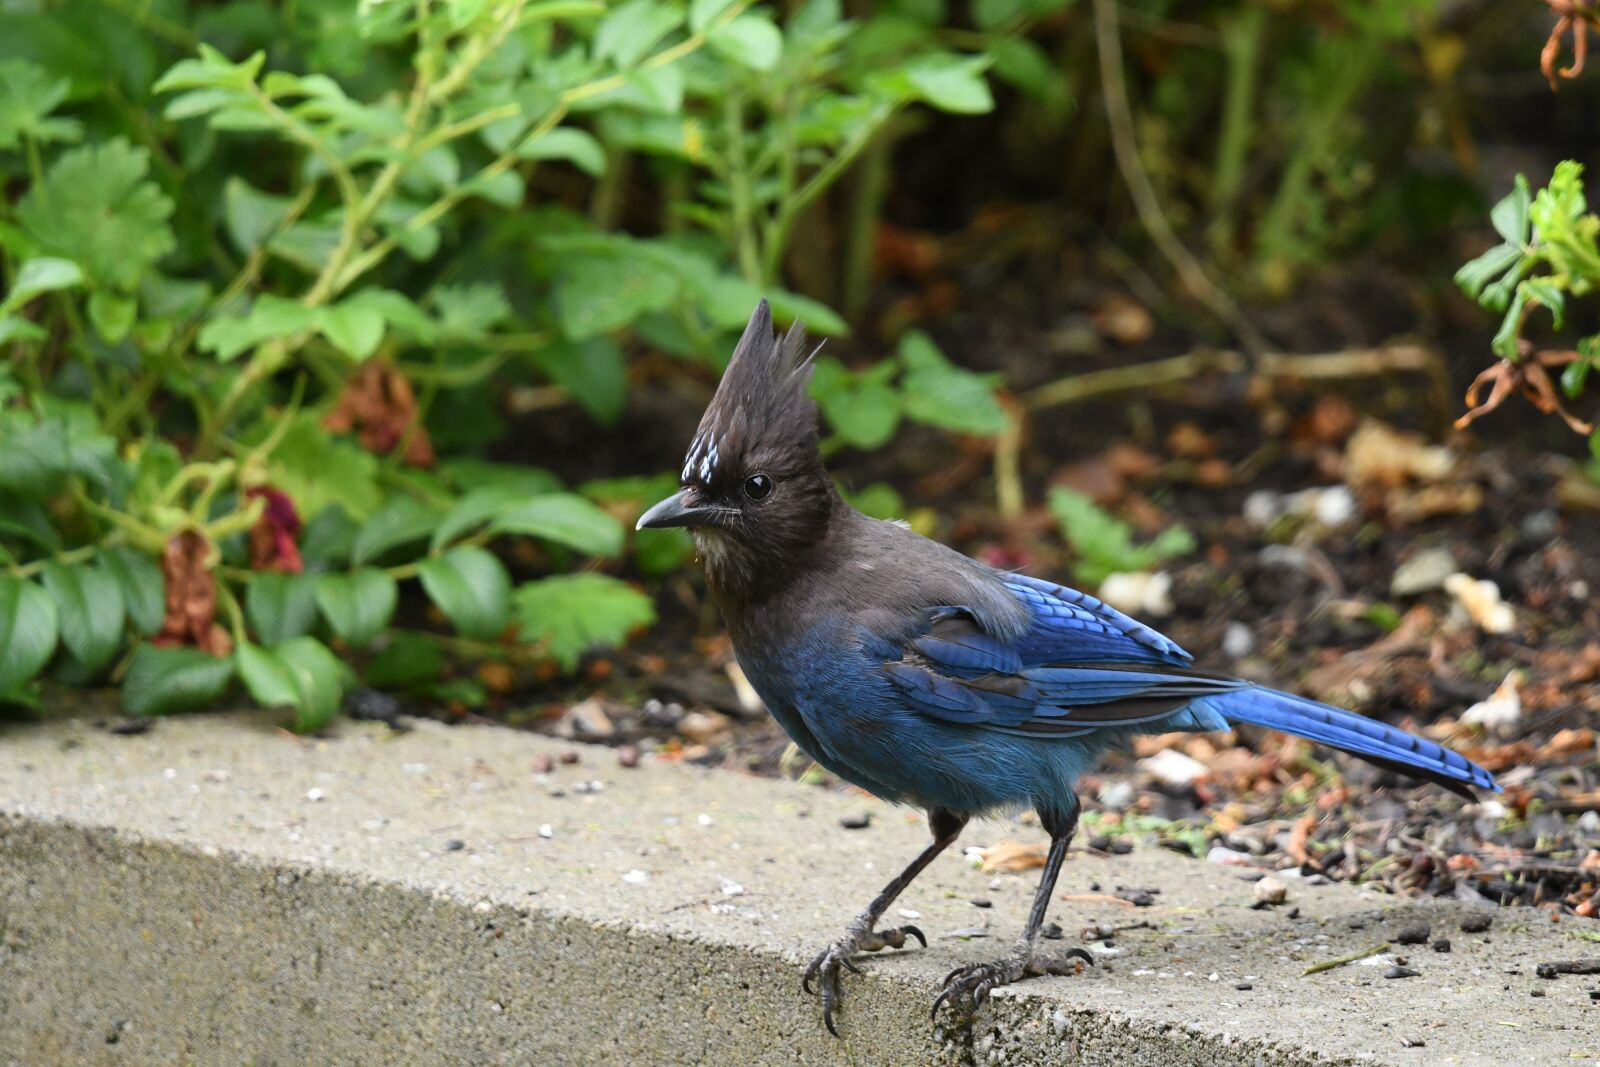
point(343, 341)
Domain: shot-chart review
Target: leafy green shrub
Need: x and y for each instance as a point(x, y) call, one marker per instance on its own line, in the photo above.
point(269, 274)
point(1547, 255)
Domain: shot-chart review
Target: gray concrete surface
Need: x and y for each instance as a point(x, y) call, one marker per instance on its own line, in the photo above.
point(215, 892)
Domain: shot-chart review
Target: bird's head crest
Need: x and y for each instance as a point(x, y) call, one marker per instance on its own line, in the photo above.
point(762, 415)
point(754, 490)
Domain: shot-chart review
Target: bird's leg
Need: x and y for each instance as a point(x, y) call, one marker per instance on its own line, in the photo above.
point(974, 981)
point(862, 936)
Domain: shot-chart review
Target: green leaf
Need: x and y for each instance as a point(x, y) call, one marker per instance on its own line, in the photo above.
point(143, 588)
point(281, 606)
point(38, 454)
point(473, 510)
point(566, 519)
point(1104, 544)
point(598, 294)
point(576, 146)
point(95, 207)
point(937, 392)
point(27, 631)
point(358, 605)
point(750, 40)
point(880, 500)
point(211, 70)
point(1574, 377)
point(862, 409)
point(572, 613)
point(325, 541)
point(27, 96)
point(472, 588)
point(1504, 343)
point(992, 14)
point(1476, 275)
point(702, 12)
point(595, 372)
point(951, 83)
point(162, 680)
point(470, 311)
point(1020, 62)
point(407, 661)
point(113, 315)
point(320, 678)
point(629, 31)
point(319, 470)
point(1510, 216)
point(1545, 293)
point(270, 681)
point(249, 215)
point(465, 473)
point(89, 609)
point(42, 274)
point(402, 521)
point(270, 317)
point(354, 327)
point(818, 317)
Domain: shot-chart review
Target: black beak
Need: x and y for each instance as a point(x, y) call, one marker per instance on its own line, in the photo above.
point(676, 511)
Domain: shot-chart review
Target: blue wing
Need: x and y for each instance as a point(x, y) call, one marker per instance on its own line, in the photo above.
point(1082, 666)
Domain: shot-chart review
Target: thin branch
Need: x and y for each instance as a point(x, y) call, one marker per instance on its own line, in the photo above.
point(1354, 363)
point(1124, 146)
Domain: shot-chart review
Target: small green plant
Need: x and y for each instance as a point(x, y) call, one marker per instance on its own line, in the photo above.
point(261, 319)
point(864, 409)
point(1547, 256)
point(1104, 545)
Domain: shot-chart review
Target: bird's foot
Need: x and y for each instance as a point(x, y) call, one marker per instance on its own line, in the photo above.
point(972, 982)
point(824, 970)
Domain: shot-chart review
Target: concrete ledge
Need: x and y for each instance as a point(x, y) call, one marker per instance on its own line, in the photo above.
point(214, 893)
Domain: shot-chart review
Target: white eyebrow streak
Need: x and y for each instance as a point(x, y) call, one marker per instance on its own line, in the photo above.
point(689, 460)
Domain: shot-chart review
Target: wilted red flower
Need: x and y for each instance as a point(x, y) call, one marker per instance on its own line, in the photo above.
point(272, 538)
point(378, 401)
point(191, 597)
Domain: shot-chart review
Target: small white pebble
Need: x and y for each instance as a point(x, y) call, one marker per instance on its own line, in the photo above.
point(636, 877)
point(170, 773)
point(1271, 890)
point(216, 776)
point(730, 888)
point(314, 795)
point(907, 913)
point(1213, 977)
point(545, 831)
point(414, 768)
point(703, 819)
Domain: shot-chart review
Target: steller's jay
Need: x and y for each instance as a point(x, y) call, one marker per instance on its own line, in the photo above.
point(928, 678)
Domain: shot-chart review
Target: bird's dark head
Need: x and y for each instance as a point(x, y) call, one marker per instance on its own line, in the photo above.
point(754, 491)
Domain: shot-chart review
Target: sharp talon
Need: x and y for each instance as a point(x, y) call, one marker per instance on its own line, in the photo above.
point(914, 932)
point(827, 1020)
point(1082, 955)
point(805, 984)
point(852, 968)
point(952, 974)
point(938, 1000)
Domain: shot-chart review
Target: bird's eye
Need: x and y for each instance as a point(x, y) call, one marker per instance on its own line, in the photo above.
point(757, 486)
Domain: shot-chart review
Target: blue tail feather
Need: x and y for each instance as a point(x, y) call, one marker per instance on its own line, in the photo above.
point(1352, 733)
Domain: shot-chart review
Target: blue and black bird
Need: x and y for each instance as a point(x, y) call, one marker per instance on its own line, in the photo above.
point(928, 678)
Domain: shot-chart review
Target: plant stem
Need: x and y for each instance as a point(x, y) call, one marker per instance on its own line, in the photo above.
point(739, 176)
point(777, 231)
point(1328, 965)
point(1355, 363)
point(1113, 88)
point(1241, 38)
